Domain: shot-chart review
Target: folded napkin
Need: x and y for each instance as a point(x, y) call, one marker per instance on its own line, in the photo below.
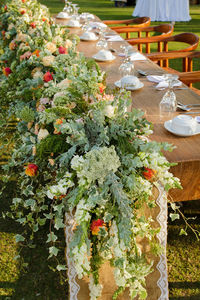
point(162, 83)
point(97, 24)
point(114, 38)
point(137, 56)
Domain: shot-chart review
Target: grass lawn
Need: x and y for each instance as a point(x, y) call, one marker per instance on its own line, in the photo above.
point(31, 277)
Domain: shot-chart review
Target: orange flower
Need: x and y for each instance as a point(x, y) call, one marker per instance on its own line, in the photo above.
point(96, 225)
point(12, 45)
point(101, 87)
point(47, 77)
point(58, 122)
point(36, 52)
point(31, 170)
point(148, 173)
point(7, 71)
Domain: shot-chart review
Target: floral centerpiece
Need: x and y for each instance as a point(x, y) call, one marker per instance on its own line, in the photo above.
point(77, 149)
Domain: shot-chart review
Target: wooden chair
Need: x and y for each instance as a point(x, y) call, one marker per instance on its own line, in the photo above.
point(137, 22)
point(162, 58)
point(159, 32)
point(188, 76)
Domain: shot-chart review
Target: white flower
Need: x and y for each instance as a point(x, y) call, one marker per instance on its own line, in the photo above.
point(51, 47)
point(48, 60)
point(64, 83)
point(11, 25)
point(38, 74)
point(42, 134)
point(95, 289)
point(68, 43)
point(21, 37)
point(109, 111)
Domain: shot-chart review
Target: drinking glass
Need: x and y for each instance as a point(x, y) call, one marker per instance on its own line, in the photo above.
point(168, 103)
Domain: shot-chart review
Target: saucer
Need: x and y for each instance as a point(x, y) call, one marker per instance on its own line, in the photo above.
point(88, 40)
point(97, 58)
point(130, 88)
point(168, 127)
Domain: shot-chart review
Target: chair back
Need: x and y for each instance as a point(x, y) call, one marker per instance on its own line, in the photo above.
point(160, 31)
point(137, 22)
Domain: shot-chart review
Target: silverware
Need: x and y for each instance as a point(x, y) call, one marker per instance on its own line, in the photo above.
point(189, 105)
point(174, 88)
point(141, 72)
point(192, 112)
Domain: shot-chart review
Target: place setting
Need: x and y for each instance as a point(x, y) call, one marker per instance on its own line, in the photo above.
point(128, 80)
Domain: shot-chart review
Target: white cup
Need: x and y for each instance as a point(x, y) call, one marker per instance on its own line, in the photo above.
point(104, 54)
point(89, 35)
point(129, 81)
point(184, 124)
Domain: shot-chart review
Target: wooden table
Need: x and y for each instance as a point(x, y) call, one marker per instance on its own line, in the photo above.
point(187, 152)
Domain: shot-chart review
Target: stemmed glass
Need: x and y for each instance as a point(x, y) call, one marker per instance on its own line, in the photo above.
point(168, 103)
point(68, 7)
point(75, 9)
point(102, 43)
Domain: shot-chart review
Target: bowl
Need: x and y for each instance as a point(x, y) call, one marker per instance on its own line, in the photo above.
point(184, 124)
point(89, 36)
point(104, 55)
point(129, 81)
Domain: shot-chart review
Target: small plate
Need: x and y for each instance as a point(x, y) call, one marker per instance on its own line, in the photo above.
point(130, 88)
point(168, 127)
point(101, 59)
point(85, 39)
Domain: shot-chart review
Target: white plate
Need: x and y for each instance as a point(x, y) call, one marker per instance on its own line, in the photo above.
point(101, 59)
point(85, 39)
point(168, 126)
point(130, 88)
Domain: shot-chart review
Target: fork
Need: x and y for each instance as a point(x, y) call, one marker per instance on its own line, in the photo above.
point(189, 105)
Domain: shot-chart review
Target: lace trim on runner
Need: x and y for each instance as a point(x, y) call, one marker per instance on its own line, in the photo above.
point(73, 286)
point(162, 237)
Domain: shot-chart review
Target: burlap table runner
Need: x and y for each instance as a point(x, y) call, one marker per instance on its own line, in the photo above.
point(156, 282)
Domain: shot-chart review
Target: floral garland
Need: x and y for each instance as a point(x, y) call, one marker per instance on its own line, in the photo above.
point(77, 149)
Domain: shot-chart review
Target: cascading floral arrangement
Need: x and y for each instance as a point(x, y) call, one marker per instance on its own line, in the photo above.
point(77, 150)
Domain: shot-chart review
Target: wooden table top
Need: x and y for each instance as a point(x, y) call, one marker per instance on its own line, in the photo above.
point(187, 152)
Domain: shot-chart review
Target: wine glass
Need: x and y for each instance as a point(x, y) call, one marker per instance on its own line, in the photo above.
point(102, 43)
point(168, 104)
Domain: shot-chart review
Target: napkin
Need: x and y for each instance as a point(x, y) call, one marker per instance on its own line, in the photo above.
point(97, 24)
point(114, 38)
point(162, 83)
point(137, 56)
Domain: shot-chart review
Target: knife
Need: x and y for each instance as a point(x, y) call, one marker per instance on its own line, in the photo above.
point(191, 112)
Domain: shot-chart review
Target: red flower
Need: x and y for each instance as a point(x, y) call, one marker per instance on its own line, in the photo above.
point(96, 225)
point(148, 173)
point(33, 25)
point(22, 11)
point(7, 71)
point(23, 1)
point(44, 19)
point(62, 50)
point(101, 87)
point(47, 77)
point(5, 8)
point(31, 170)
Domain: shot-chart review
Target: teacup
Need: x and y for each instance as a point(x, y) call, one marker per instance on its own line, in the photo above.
point(104, 54)
point(129, 81)
point(62, 15)
point(74, 23)
point(89, 36)
point(184, 124)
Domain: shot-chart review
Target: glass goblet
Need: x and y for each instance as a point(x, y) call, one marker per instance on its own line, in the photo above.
point(168, 104)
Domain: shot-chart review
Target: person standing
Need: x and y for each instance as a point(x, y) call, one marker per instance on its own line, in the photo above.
point(163, 10)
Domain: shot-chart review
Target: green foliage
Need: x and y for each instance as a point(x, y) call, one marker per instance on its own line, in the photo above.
point(26, 114)
point(55, 144)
